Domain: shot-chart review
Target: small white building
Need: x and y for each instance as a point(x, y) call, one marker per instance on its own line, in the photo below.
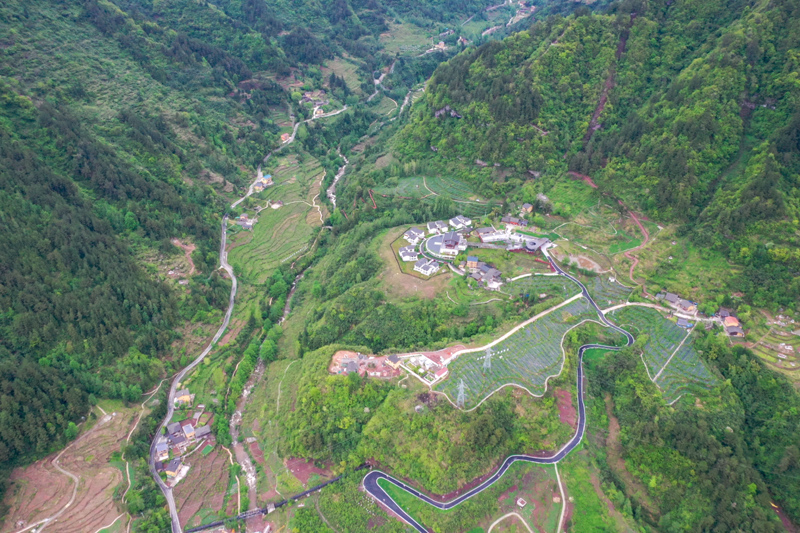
point(491, 235)
point(414, 236)
point(426, 267)
point(460, 222)
point(437, 226)
point(408, 253)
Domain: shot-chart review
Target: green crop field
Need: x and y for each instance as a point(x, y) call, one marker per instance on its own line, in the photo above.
point(536, 285)
point(605, 292)
point(526, 358)
point(280, 235)
point(417, 187)
point(685, 370)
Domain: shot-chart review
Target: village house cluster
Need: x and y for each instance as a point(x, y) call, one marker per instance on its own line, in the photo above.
point(727, 317)
point(364, 365)
point(180, 436)
point(441, 242)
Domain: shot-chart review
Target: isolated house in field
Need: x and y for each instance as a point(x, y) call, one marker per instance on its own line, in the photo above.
point(162, 451)
point(183, 397)
point(285, 137)
point(414, 236)
point(491, 235)
point(460, 222)
point(393, 361)
point(408, 253)
point(426, 267)
point(686, 305)
point(683, 323)
point(527, 208)
point(173, 467)
point(472, 262)
point(436, 226)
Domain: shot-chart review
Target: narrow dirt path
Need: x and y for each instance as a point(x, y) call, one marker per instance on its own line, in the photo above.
point(629, 255)
point(238, 485)
point(76, 480)
point(187, 252)
point(278, 399)
point(509, 515)
point(316, 506)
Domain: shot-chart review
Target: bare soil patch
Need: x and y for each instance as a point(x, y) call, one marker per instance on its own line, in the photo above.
point(203, 487)
point(303, 469)
point(257, 453)
point(566, 410)
point(39, 490)
point(187, 252)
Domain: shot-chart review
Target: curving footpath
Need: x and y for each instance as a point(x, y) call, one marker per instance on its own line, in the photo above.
point(376, 491)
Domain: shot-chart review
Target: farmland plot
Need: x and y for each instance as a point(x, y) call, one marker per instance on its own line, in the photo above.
point(607, 293)
point(683, 373)
point(552, 286)
point(684, 370)
point(526, 358)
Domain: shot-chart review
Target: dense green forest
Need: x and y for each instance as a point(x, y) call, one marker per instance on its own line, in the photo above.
point(686, 109)
point(709, 464)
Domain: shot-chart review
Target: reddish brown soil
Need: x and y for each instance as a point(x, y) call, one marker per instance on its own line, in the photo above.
point(204, 486)
point(566, 411)
point(617, 463)
point(583, 177)
point(260, 523)
point(187, 251)
point(303, 469)
point(258, 455)
point(39, 491)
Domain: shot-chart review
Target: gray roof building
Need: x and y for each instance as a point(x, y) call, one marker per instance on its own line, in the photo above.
point(671, 298)
point(202, 431)
point(174, 428)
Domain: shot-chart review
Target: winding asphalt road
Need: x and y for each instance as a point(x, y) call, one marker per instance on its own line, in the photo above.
point(223, 259)
point(223, 256)
point(376, 491)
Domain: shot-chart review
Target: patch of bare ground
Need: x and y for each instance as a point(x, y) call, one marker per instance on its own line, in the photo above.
point(401, 285)
point(566, 410)
point(635, 490)
point(203, 487)
point(303, 469)
point(233, 330)
point(187, 253)
point(40, 491)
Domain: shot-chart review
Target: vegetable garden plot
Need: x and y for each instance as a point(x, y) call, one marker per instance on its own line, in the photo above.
point(450, 187)
point(686, 371)
point(607, 293)
point(526, 358)
point(536, 285)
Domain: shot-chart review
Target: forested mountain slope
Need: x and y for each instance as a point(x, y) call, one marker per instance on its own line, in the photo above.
point(699, 124)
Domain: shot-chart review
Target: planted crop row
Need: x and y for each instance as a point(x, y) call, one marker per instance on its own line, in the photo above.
point(663, 335)
point(607, 293)
point(451, 187)
point(684, 371)
point(525, 358)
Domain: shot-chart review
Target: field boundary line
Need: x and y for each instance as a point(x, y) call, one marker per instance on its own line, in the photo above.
point(688, 333)
point(563, 501)
point(238, 486)
point(111, 524)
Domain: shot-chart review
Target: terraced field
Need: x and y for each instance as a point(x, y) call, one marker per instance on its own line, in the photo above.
point(460, 192)
point(685, 369)
point(280, 235)
point(526, 358)
point(607, 293)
